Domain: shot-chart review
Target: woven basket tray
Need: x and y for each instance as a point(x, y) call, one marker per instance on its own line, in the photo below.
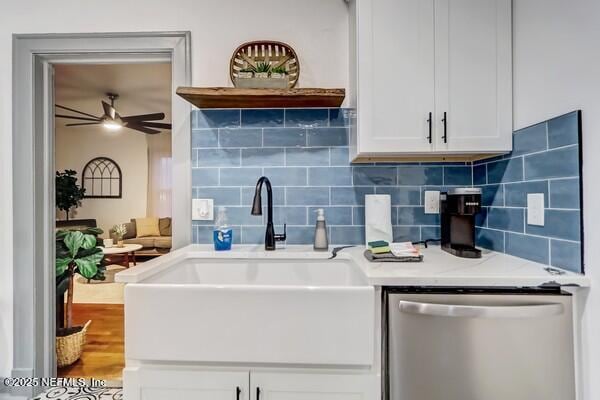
point(69, 348)
point(275, 53)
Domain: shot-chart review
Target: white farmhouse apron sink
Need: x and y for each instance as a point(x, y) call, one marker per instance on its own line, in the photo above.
point(254, 310)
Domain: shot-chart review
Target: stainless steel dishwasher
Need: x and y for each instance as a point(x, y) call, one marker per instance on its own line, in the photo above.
point(459, 344)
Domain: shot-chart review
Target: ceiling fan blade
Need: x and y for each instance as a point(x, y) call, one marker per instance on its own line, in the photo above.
point(76, 111)
point(84, 123)
point(78, 118)
point(109, 110)
point(159, 125)
point(144, 117)
point(142, 128)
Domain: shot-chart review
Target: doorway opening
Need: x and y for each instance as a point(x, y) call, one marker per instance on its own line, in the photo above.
point(34, 171)
point(113, 162)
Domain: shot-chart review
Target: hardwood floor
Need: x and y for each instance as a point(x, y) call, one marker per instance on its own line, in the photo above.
point(103, 354)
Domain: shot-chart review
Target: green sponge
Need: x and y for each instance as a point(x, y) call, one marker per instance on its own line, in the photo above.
point(378, 243)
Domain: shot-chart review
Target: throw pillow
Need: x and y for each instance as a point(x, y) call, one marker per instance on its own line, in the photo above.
point(164, 225)
point(130, 226)
point(147, 227)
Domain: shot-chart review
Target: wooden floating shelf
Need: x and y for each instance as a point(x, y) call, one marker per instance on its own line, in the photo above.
point(224, 97)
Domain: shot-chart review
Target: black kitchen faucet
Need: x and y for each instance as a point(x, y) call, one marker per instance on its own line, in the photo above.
point(270, 236)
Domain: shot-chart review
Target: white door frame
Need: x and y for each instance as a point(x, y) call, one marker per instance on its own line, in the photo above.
point(33, 170)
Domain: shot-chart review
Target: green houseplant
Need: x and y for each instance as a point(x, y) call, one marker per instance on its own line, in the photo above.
point(262, 70)
point(76, 253)
point(68, 194)
point(246, 73)
point(278, 72)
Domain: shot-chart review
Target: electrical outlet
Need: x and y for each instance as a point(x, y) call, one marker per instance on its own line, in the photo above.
point(202, 209)
point(432, 202)
point(535, 209)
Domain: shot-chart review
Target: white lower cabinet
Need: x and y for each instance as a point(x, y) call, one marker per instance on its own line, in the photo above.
point(178, 384)
point(175, 383)
point(284, 386)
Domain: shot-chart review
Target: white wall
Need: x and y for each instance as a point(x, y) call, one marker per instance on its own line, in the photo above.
point(317, 29)
point(76, 146)
point(556, 70)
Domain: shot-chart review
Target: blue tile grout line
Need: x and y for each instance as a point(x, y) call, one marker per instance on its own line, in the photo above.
point(305, 154)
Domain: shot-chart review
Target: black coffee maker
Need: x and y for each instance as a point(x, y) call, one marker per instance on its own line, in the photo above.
point(458, 208)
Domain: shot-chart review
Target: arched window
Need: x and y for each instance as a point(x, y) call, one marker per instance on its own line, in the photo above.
point(102, 178)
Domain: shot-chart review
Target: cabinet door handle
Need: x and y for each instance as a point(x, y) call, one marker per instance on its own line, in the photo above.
point(445, 136)
point(430, 129)
point(238, 392)
point(257, 393)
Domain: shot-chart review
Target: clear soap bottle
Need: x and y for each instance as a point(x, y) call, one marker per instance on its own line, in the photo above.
point(321, 241)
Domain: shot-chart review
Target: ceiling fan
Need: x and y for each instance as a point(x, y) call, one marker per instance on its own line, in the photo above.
point(113, 121)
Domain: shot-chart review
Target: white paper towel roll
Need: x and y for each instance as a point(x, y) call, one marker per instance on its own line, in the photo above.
point(378, 218)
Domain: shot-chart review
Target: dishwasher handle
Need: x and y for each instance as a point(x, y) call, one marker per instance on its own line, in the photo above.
point(473, 311)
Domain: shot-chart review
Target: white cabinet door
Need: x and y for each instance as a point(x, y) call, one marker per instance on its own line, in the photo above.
point(283, 386)
point(184, 384)
point(395, 73)
point(473, 68)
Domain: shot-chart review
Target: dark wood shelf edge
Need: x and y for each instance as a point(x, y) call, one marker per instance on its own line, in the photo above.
point(224, 97)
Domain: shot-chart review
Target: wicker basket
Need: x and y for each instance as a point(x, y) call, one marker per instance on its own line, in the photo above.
point(69, 348)
point(277, 54)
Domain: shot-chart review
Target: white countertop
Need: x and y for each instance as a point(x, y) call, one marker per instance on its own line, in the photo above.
point(437, 269)
point(442, 269)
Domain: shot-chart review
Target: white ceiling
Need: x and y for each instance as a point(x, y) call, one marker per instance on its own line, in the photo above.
point(142, 89)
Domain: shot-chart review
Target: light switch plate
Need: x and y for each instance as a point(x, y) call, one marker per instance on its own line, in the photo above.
point(535, 209)
point(202, 209)
point(432, 202)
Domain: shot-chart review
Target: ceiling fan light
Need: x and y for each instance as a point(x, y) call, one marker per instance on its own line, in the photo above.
point(112, 125)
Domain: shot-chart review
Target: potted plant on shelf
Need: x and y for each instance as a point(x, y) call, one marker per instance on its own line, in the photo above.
point(279, 72)
point(246, 73)
point(68, 194)
point(262, 70)
point(76, 253)
point(119, 230)
point(262, 76)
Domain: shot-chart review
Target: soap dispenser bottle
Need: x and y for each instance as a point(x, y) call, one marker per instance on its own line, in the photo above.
point(222, 234)
point(321, 242)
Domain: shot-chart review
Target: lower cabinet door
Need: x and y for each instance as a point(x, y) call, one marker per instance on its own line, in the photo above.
point(284, 386)
point(184, 384)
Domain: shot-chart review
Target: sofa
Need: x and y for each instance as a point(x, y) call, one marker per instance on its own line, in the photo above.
point(151, 245)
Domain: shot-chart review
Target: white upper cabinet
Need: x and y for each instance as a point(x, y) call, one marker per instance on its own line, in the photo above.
point(396, 75)
point(473, 75)
point(448, 59)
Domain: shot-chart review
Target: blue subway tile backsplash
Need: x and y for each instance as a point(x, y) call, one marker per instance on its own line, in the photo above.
point(516, 193)
point(262, 118)
point(557, 163)
point(216, 119)
point(545, 159)
point(564, 193)
point(533, 248)
point(247, 137)
point(506, 219)
point(307, 117)
point(565, 254)
point(502, 171)
point(530, 140)
point(304, 152)
point(561, 132)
